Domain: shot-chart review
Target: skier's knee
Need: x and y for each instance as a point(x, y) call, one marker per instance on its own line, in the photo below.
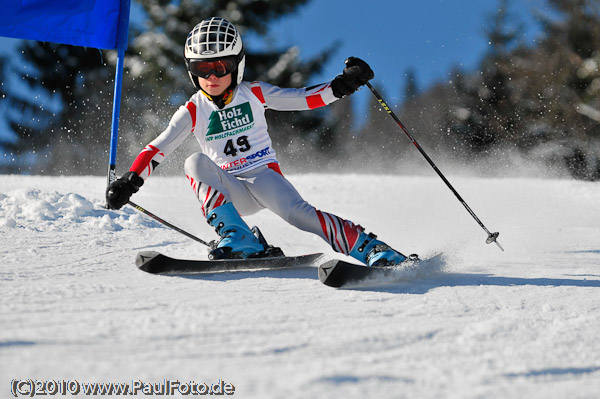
point(194, 163)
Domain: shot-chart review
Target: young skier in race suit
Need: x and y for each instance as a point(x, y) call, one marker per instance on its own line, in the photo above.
point(237, 172)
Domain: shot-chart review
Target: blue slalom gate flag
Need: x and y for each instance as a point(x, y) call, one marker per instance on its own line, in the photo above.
point(102, 24)
point(90, 23)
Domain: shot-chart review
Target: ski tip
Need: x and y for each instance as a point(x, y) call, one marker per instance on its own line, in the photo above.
point(325, 271)
point(144, 259)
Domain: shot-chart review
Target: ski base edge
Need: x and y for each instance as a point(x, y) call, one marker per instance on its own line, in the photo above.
point(157, 263)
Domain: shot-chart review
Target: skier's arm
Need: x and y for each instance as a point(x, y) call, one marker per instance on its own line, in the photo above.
point(356, 73)
point(288, 99)
point(119, 191)
point(158, 149)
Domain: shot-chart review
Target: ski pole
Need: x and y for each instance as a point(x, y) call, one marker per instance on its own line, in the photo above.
point(492, 237)
point(153, 216)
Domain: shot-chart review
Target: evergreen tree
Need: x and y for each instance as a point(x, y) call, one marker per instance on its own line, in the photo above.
point(561, 81)
point(7, 161)
point(57, 119)
point(341, 134)
point(488, 114)
point(2, 76)
point(379, 144)
point(411, 89)
point(541, 99)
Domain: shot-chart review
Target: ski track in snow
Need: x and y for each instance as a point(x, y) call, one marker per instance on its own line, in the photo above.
point(523, 323)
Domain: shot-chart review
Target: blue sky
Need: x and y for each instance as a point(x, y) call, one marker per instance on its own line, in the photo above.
point(430, 36)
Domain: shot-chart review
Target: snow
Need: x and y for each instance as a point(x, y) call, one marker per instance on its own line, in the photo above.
point(523, 323)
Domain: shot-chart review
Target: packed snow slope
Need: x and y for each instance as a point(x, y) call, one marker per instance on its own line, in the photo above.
point(524, 323)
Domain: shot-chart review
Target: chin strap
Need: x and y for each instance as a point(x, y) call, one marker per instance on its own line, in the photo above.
point(220, 101)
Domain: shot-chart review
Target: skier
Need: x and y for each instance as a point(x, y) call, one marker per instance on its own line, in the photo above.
point(237, 172)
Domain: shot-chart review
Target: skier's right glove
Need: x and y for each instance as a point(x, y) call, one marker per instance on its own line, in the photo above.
point(355, 74)
point(119, 191)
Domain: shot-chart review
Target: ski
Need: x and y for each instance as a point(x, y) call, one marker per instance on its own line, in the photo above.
point(338, 273)
point(157, 263)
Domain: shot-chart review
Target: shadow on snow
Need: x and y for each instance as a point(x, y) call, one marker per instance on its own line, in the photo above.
point(422, 286)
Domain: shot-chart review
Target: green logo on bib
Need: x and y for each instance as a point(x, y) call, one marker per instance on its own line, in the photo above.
point(231, 120)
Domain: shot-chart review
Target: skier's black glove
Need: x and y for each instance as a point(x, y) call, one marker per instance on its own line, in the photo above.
point(356, 73)
point(119, 191)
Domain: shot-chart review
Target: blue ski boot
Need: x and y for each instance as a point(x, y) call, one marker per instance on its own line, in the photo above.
point(372, 252)
point(237, 240)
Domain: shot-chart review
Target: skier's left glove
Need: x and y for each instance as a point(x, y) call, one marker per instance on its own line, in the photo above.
point(356, 73)
point(119, 191)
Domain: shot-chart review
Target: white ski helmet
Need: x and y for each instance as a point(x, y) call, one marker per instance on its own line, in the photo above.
point(215, 39)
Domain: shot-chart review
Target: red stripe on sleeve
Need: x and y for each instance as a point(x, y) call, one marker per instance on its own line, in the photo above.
point(315, 101)
point(144, 159)
point(257, 91)
point(192, 108)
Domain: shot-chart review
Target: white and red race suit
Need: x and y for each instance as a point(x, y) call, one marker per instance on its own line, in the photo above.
point(238, 163)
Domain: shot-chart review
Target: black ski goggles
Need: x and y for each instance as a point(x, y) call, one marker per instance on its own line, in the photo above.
point(219, 68)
